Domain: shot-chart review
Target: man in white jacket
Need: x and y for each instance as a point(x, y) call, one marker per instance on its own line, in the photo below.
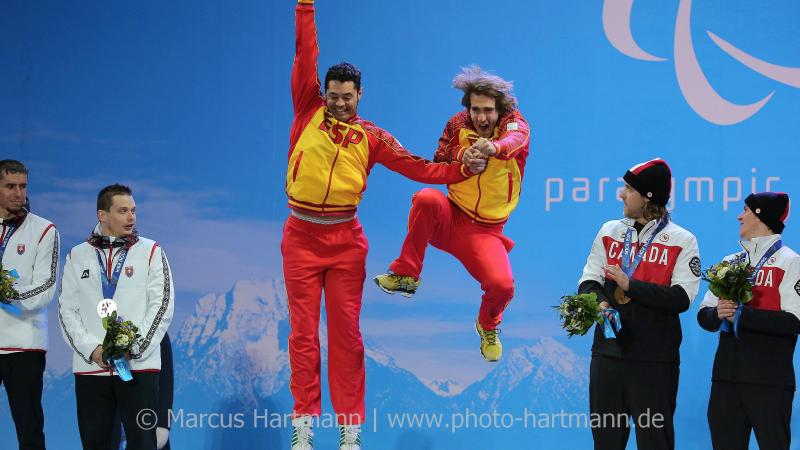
point(28, 246)
point(141, 291)
point(753, 379)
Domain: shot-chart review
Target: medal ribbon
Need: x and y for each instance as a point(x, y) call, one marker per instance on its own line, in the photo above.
point(110, 283)
point(770, 251)
point(628, 267)
point(612, 323)
point(726, 326)
point(120, 364)
point(9, 231)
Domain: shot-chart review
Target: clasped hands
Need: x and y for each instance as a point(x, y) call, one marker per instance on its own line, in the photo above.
point(477, 155)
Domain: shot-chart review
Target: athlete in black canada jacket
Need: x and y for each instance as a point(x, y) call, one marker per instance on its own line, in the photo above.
point(752, 383)
point(635, 374)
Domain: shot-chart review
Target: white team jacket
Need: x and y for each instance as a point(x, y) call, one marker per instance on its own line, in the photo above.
point(672, 259)
point(777, 287)
point(33, 251)
point(145, 296)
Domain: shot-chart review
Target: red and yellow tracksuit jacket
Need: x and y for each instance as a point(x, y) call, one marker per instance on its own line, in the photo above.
point(329, 160)
point(492, 195)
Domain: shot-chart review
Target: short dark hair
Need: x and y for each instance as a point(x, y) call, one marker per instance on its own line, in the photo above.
point(106, 196)
point(12, 166)
point(344, 71)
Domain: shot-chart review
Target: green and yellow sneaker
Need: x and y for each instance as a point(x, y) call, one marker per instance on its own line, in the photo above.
point(303, 435)
point(491, 348)
point(350, 437)
point(397, 284)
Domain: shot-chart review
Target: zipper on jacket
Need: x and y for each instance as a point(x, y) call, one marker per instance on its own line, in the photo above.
point(330, 178)
point(478, 201)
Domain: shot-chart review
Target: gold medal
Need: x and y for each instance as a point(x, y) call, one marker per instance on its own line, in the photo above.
point(620, 296)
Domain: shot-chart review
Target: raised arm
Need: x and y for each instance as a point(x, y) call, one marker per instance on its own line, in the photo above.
point(305, 79)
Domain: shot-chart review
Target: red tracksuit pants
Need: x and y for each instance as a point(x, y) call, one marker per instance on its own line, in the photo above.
point(482, 249)
point(329, 258)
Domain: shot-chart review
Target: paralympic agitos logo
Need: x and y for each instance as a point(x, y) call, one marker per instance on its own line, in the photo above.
point(694, 85)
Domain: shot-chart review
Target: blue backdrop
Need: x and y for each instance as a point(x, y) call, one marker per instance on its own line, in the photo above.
point(189, 103)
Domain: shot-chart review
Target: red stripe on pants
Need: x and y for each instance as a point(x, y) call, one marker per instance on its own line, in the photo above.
point(330, 258)
point(482, 249)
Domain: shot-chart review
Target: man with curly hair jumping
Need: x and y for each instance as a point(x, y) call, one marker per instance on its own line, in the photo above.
point(491, 134)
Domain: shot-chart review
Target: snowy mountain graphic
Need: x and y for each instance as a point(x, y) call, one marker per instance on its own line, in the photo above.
point(546, 376)
point(231, 355)
point(235, 343)
point(231, 358)
point(445, 387)
point(243, 334)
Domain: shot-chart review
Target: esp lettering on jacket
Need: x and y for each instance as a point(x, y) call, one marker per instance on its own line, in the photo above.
point(340, 134)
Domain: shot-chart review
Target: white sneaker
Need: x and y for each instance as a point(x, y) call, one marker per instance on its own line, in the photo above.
point(303, 435)
point(350, 437)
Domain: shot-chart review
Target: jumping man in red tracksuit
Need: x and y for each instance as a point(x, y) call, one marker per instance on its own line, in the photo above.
point(331, 153)
point(468, 222)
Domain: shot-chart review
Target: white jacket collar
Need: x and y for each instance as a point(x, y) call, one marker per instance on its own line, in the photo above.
point(756, 247)
point(649, 227)
point(98, 231)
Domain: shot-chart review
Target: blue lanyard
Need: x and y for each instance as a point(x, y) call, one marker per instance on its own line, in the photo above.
point(725, 326)
point(627, 267)
point(770, 251)
point(110, 285)
point(9, 231)
point(612, 323)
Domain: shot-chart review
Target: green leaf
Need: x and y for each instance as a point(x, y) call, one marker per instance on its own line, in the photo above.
point(578, 313)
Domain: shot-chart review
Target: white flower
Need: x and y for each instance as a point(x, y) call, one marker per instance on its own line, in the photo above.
point(721, 272)
point(122, 340)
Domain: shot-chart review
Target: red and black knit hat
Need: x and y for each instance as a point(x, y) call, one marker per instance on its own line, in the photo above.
point(652, 179)
point(772, 208)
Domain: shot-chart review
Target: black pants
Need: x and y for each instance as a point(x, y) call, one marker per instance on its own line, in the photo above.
point(99, 398)
point(735, 409)
point(21, 373)
point(116, 436)
point(645, 392)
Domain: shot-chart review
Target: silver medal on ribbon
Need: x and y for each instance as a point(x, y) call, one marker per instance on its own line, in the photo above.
point(106, 307)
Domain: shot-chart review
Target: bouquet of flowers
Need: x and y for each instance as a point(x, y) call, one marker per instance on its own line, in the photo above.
point(7, 291)
point(578, 313)
point(121, 337)
point(730, 280)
